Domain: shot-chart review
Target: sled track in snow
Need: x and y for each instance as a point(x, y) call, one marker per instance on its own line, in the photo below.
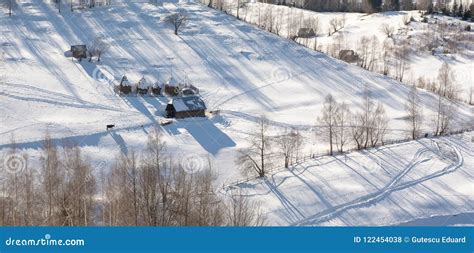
point(392, 186)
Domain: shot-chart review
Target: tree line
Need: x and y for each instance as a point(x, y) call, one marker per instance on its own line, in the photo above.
point(339, 127)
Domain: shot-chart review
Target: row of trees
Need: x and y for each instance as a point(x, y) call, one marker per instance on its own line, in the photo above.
point(365, 128)
point(149, 189)
point(339, 126)
point(265, 148)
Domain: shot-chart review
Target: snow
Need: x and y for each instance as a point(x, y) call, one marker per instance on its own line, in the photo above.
point(241, 71)
point(422, 62)
point(188, 103)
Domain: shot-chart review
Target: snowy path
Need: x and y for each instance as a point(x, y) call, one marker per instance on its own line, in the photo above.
point(392, 186)
point(383, 186)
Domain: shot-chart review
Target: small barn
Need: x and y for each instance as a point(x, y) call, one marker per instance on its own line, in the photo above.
point(185, 107)
point(306, 33)
point(79, 51)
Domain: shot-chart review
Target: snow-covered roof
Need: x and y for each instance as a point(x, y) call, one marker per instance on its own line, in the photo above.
point(189, 103)
point(125, 81)
point(157, 85)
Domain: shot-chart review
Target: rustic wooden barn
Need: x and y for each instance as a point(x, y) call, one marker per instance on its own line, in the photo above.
point(306, 33)
point(348, 56)
point(79, 51)
point(185, 107)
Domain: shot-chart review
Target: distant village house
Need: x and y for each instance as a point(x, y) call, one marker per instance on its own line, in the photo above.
point(306, 33)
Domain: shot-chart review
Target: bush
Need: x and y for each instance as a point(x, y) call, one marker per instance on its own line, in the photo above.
point(467, 28)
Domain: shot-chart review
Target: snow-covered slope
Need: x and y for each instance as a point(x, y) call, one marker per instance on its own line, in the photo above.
point(242, 71)
point(357, 25)
point(409, 183)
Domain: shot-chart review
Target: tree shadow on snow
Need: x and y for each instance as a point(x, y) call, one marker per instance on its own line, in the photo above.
point(203, 130)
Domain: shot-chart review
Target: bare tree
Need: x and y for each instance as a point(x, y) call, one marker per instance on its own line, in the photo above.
point(255, 158)
point(386, 57)
point(414, 111)
point(10, 5)
point(387, 30)
point(242, 212)
point(178, 20)
point(287, 144)
point(52, 182)
point(342, 121)
point(471, 89)
point(337, 24)
point(447, 87)
point(98, 47)
point(378, 126)
point(77, 200)
point(402, 62)
point(357, 129)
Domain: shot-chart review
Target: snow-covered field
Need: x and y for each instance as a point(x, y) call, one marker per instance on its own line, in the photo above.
point(357, 25)
point(424, 182)
point(240, 70)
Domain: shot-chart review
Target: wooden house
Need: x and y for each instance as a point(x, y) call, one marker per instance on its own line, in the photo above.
point(306, 33)
point(79, 51)
point(184, 107)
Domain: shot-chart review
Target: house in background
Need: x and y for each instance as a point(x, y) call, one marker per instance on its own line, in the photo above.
point(185, 107)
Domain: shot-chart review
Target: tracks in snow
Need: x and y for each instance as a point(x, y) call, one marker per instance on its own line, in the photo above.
point(393, 185)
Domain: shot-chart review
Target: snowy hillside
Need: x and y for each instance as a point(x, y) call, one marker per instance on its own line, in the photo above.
point(242, 72)
point(423, 181)
point(423, 64)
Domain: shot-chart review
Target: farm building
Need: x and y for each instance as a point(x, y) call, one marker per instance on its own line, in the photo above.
point(184, 107)
point(79, 51)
